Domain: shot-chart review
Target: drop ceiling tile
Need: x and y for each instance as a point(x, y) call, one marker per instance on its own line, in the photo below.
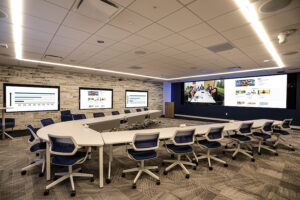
point(59, 50)
point(62, 3)
point(180, 20)
point(154, 47)
point(154, 32)
point(82, 23)
point(210, 9)
point(247, 41)
point(198, 31)
point(73, 34)
point(112, 32)
point(124, 3)
point(173, 40)
point(228, 21)
point(189, 46)
point(121, 46)
point(155, 9)
point(211, 40)
point(136, 40)
point(63, 41)
point(130, 21)
point(107, 42)
point(239, 32)
point(36, 35)
point(199, 52)
point(185, 2)
point(169, 52)
point(83, 52)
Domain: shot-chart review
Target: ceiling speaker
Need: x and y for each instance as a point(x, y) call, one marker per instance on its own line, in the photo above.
point(273, 5)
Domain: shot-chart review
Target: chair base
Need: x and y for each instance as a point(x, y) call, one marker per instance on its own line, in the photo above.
point(208, 156)
point(6, 134)
point(37, 162)
point(140, 170)
point(262, 146)
point(180, 163)
point(70, 174)
point(282, 141)
point(240, 150)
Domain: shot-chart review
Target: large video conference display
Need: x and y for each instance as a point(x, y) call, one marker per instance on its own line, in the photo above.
point(24, 98)
point(211, 91)
point(136, 99)
point(263, 91)
point(93, 98)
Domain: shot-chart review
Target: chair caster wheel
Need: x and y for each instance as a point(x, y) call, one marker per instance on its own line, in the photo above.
point(165, 172)
point(276, 154)
point(210, 168)
point(41, 174)
point(157, 170)
point(195, 162)
point(73, 193)
point(194, 168)
point(108, 181)
point(292, 149)
point(80, 171)
point(37, 154)
point(163, 164)
point(92, 179)
point(123, 175)
point(225, 165)
point(158, 182)
point(252, 154)
point(252, 159)
point(172, 156)
point(223, 152)
point(23, 173)
point(226, 147)
point(259, 153)
point(46, 192)
point(264, 143)
point(233, 157)
point(274, 147)
point(187, 176)
point(55, 178)
point(134, 186)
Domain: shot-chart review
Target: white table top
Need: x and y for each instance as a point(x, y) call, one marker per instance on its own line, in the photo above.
point(203, 96)
point(83, 135)
point(4, 108)
point(167, 133)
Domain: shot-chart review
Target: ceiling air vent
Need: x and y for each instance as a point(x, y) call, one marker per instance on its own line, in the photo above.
point(135, 67)
point(53, 57)
point(234, 68)
point(273, 5)
point(220, 47)
point(207, 71)
point(289, 53)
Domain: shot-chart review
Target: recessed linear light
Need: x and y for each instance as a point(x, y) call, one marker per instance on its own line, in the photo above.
point(266, 60)
point(16, 7)
point(251, 15)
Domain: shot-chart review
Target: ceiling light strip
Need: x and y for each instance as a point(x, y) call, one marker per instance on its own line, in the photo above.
point(16, 8)
point(251, 15)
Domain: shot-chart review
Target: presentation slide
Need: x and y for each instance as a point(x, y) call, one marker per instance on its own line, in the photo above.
point(263, 91)
point(31, 98)
point(211, 91)
point(136, 99)
point(95, 98)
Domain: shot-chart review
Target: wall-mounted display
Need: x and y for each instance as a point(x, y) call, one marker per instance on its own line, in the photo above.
point(95, 98)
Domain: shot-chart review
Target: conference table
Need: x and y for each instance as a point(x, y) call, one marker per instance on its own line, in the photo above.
point(203, 96)
point(83, 135)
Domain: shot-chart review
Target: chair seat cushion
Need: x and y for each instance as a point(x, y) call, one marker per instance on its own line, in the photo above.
point(68, 160)
point(262, 135)
point(38, 146)
point(180, 148)
point(210, 144)
point(282, 132)
point(142, 155)
point(241, 137)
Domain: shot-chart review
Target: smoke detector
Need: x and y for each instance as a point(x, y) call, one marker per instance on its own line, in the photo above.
point(282, 37)
point(273, 5)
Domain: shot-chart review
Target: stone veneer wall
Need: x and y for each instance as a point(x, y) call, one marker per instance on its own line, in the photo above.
point(69, 83)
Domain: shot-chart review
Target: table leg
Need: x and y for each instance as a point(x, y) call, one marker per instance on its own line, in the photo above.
point(3, 124)
point(101, 166)
point(108, 180)
point(48, 165)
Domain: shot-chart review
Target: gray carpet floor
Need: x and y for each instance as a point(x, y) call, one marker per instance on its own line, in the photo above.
point(270, 177)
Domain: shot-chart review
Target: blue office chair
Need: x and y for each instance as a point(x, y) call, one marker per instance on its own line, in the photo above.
point(144, 146)
point(241, 137)
point(66, 115)
point(36, 146)
point(79, 116)
point(64, 151)
point(263, 135)
point(211, 141)
point(181, 145)
point(282, 130)
point(47, 122)
point(9, 123)
point(145, 109)
point(126, 111)
point(99, 114)
point(115, 113)
point(138, 110)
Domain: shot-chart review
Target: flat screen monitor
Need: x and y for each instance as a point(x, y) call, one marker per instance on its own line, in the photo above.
point(208, 92)
point(136, 99)
point(262, 91)
point(26, 98)
point(95, 98)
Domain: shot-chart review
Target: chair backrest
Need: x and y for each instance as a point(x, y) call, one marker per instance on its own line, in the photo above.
point(215, 134)
point(184, 137)
point(99, 114)
point(115, 113)
point(9, 122)
point(145, 109)
point(138, 110)
point(286, 124)
point(47, 122)
point(65, 112)
point(62, 145)
point(33, 136)
point(65, 118)
point(105, 125)
point(145, 141)
point(267, 127)
point(126, 111)
point(79, 116)
point(245, 128)
point(136, 119)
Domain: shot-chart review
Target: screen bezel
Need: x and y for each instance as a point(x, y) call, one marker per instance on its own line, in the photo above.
point(32, 86)
point(136, 91)
point(105, 89)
